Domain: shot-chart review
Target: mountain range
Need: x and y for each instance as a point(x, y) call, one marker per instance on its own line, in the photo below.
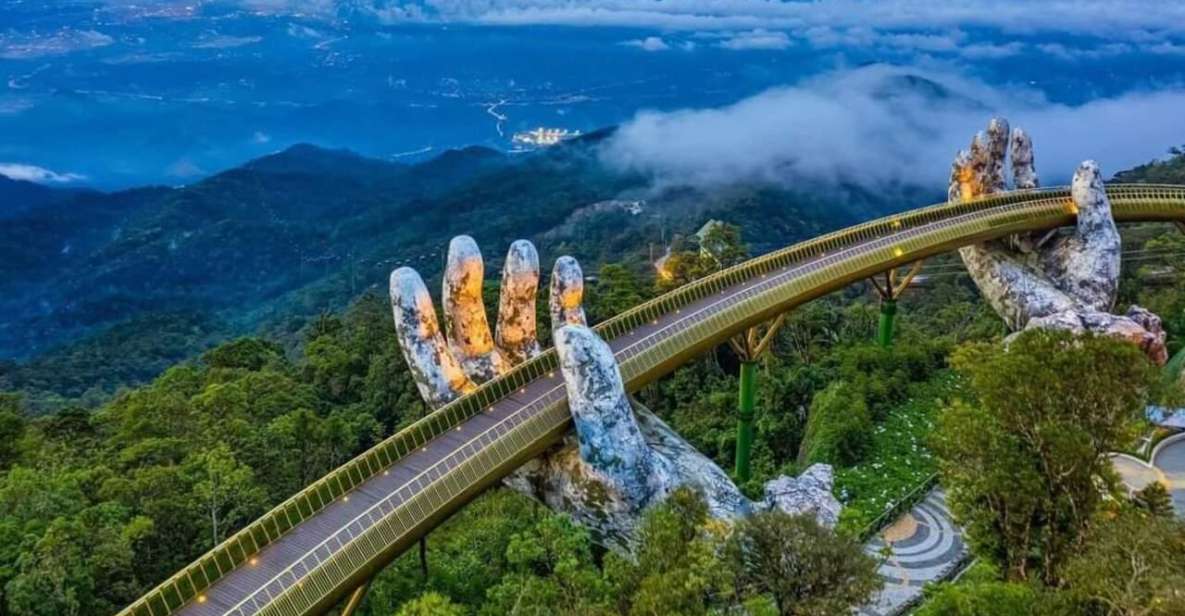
point(87, 276)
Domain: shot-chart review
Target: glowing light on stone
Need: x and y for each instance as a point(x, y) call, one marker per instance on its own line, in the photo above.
point(437, 374)
point(466, 328)
point(515, 331)
point(567, 292)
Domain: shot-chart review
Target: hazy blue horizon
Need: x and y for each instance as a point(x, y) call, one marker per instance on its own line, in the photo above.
point(110, 94)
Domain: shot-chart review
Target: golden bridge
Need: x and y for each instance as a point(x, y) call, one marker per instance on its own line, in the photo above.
point(322, 545)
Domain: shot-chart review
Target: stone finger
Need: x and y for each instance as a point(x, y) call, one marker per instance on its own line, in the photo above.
point(466, 327)
point(515, 333)
point(1024, 172)
point(1085, 264)
point(608, 433)
point(567, 293)
point(437, 374)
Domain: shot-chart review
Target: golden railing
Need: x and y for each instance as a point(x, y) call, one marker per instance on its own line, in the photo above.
point(759, 289)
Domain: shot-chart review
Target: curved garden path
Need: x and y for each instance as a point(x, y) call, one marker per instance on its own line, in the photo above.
point(924, 545)
point(1167, 465)
point(1169, 458)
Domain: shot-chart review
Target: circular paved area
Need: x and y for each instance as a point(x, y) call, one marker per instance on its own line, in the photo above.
point(924, 546)
point(1170, 461)
point(1167, 467)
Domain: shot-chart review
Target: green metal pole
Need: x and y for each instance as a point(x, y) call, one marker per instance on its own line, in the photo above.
point(885, 333)
point(745, 413)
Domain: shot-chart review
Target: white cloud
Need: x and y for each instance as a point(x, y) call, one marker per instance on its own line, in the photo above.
point(224, 41)
point(650, 43)
point(881, 125)
point(12, 105)
point(756, 39)
point(260, 137)
point(1135, 20)
point(1165, 48)
point(988, 51)
point(1104, 18)
point(41, 175)
point(28, 45)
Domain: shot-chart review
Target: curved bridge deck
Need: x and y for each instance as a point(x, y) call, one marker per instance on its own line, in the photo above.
point(306, 554)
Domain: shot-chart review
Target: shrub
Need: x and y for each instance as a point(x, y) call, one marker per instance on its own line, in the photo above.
point(839, 428)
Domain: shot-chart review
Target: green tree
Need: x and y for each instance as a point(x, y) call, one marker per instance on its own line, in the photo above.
point(806, 568)
point(617, 289)
point(980, 592)
point(225, 491)
point(839, 427)
point(676, 567)
point(244, 354)
point(12, 428)
point(430, 604)
point(1131, 565)
point(719, 248)
point(722, 244)
point(552, 573)
point(1155, 499)
point(466, 554)
point(1022, 462)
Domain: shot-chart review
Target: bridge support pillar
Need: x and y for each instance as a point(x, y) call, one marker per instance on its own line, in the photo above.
point(746, 410)
point(355, 600)
point(889, 291)
point(884, 334)
point(749, 347)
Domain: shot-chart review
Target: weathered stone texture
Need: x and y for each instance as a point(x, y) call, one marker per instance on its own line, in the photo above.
point(465, 323)
point(1065, 281)
point(567, 294)
point(515, 331)
point(437, 374)
point(809, 493)
point(622, 458)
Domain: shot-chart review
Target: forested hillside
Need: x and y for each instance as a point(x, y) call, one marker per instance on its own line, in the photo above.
point(97, 506)
point(1168, 171)
point(270, 245)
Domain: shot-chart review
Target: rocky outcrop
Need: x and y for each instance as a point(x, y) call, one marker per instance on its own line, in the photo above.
point(1065, 281)
point(622, 458)
point(810, 493)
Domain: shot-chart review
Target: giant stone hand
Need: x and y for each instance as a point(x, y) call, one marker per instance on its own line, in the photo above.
point(1060, 280)
point(622, 458)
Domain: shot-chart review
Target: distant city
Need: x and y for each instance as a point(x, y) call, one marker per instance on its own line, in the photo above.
point(542, 137)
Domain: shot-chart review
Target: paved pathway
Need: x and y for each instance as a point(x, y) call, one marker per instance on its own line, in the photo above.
point(1167, 467)
point(1170, 460)
point(926, 546)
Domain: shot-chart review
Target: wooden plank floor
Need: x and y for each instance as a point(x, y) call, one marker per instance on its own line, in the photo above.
point(248, 588)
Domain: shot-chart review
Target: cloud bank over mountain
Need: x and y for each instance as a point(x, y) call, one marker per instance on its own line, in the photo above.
point(33, 173)
point(1104, 18)
point(968, 29)
point(881, 125)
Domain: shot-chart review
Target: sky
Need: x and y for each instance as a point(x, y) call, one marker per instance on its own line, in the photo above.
point(115, 93)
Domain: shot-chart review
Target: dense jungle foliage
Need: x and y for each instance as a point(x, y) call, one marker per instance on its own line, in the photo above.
point(98, 505)
point(267, 247)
